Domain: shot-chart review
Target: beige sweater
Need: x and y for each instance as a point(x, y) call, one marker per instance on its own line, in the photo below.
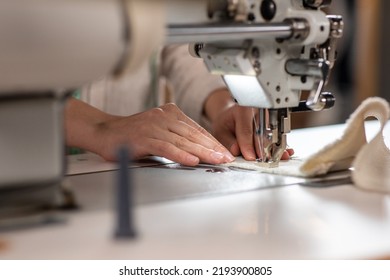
point(186, 78)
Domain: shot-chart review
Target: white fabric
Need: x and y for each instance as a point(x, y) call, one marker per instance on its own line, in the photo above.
point(340, 154)
point(370, 162)
point(187, 76)
point(288, 167)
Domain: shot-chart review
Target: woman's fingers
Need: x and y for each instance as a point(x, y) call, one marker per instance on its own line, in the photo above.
point(191, 137)
point(184, 152)
point(194, 141)
point(236, 129)
point(167, 132)
point(168, 150)
point(287, 154)
point(244, 131)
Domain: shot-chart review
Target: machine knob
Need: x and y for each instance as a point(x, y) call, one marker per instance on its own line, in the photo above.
point(327, 99)
point(268, 9)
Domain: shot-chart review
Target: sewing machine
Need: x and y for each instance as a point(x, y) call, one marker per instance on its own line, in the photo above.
point(267, 52)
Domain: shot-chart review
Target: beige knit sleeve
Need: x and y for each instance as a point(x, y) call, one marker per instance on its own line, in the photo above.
point(189, 79)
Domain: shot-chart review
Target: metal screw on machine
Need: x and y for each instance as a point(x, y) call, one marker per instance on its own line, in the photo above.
point(336, 32)
point(125, 227)
point(195, 49)
point(316, 3)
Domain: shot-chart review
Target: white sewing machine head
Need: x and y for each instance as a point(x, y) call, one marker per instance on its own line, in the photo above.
point(268, 52)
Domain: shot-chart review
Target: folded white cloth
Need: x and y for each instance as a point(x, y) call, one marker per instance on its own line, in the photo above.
point(371, 167)
point(370, 162)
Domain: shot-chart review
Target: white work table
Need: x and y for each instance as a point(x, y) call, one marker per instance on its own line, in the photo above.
point(185, 213)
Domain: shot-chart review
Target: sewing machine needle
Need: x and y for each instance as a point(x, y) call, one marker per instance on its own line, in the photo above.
point(260, 135)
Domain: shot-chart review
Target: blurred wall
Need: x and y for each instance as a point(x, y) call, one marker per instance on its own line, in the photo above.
point(384, 53)
point(368, 55)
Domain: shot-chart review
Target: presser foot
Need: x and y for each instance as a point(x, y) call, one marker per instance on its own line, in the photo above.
point(273, 153)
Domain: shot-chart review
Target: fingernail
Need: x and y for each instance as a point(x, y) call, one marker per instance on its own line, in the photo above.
point(217, 156)
point(251, 157)
point(193, 159)
point(229, 157)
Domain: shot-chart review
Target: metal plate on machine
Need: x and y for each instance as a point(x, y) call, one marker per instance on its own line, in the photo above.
point(172, 181)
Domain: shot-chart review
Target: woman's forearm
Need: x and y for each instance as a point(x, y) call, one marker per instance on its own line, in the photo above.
point(82, 122)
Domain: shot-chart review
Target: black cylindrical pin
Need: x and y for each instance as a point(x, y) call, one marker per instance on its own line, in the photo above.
point(125, 227)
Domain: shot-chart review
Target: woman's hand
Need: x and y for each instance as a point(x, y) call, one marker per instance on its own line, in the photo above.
point(165, 131)
point(233, 126)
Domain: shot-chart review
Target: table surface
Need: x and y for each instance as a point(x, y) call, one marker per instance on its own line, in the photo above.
point(214, 213)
